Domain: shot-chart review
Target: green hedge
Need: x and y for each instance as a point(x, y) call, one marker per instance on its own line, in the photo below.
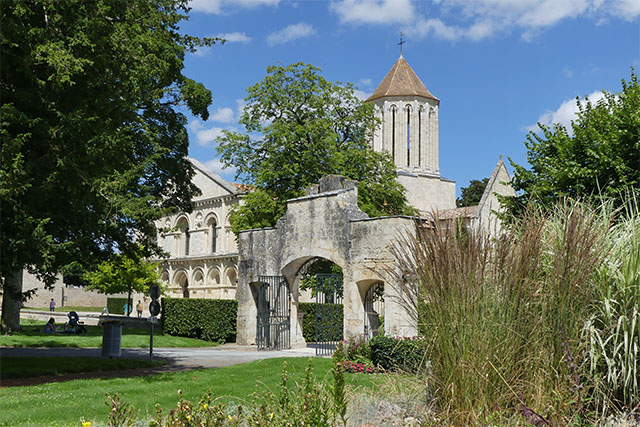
point(207, 319)
point(334, 331)
point(398, 354)
point(116, 305)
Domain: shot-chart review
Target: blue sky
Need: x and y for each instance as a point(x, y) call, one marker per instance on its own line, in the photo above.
point(497, 66)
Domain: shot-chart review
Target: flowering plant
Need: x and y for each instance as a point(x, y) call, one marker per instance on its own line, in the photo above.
point(357, 367)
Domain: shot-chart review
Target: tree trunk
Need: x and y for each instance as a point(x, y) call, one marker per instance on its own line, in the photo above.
point(129, 302)
point(12, 301)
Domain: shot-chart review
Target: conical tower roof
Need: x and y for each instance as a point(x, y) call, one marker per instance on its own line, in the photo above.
point(401, 80)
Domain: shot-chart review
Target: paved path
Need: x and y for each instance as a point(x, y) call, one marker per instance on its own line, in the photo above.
point(185, 358)
point(178, 359)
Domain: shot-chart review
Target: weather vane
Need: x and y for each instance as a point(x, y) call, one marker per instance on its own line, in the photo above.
point(401, 42)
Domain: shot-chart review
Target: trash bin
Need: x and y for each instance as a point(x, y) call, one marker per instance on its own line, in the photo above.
point(111, 337)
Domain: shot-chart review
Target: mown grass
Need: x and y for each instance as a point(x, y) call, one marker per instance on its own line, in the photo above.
point(131, 338)
point(63, 404)
point(27, 367)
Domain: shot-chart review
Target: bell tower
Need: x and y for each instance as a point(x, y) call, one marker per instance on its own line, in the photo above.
point(409, 115)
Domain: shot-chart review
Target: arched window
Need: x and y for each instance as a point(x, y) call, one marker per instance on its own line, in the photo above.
point(232, 276)
point(212, 225)
point(393, 132)
point(183, 227)
point(408, 109)
point(420, 136)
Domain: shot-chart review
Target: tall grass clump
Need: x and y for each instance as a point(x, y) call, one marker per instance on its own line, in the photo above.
point(613, 330)
point(505, 316)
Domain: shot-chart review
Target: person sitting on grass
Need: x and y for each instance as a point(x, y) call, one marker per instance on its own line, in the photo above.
point(50, 327)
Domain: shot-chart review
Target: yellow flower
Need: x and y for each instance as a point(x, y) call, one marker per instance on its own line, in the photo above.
point(206, 405)
point(230, 418)
point(86, 424)
point(271, 416)
point(188, 417)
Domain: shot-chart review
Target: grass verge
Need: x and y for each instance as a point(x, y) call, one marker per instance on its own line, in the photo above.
point(63, 404)
point(131, 338)
point(26, 367)
point(66, 309)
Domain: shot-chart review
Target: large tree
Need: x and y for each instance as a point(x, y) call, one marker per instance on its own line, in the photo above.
point(599, 156)
point(299, 128)
point(93, 149)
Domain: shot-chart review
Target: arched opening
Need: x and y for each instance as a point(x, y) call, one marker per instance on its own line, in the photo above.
point(198, 280)
point(393, 132)
point(182, 282)
point(408, 111)
point(212, 227)
point(183, 228)
point(373, 303)
point(420, 110)
point(232, 276)
point(321, 292)
point(214, 277)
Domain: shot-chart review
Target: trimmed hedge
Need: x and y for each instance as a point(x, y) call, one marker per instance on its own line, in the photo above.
point(116, 305)
point(398, 354)
point(334, 312)
point(206, 319)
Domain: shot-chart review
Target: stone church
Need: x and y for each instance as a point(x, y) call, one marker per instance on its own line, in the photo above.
point(203, 252)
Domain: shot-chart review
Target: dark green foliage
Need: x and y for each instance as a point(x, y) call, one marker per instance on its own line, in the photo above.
point(93, 145)
point(116, 305)
point(471, 195)
point(599, 155)
point(333, 312)
point(300, 127)
point(398, 354)
point(206, 319)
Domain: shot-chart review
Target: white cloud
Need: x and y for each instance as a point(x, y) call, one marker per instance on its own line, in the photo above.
point(290, 33)
point(217, 6)
point(204, 136)
point(216, 166)
point(479, 19)
point(235, 37)
point(223, 115)
point(373, 11)
point(366, 82)
point(565, 113)
point(362, 95)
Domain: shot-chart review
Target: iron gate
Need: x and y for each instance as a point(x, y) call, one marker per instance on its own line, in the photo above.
point(373, 309)
point(329, 313)
point(274, 313)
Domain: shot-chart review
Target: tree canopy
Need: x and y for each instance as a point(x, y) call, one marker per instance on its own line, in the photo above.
point(598, 156)
point(93, 148)
point(123, 274)
point(300, 127)
point(472, 194)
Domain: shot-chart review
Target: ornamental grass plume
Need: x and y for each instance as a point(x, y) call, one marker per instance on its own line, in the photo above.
point(496, 312)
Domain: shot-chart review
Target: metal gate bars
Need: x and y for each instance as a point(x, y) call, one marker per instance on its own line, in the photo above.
point(274, 313)
point(329, 313)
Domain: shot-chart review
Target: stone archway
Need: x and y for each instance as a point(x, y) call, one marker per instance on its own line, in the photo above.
point(325, 223)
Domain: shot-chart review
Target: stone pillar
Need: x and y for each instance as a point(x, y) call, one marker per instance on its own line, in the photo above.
point(246, 326)
point(435, 143)
point(401, 137)
point(415, 131)
point(399, 314)
point(353, 307)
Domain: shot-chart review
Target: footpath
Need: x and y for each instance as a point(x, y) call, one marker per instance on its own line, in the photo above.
point(177, 359)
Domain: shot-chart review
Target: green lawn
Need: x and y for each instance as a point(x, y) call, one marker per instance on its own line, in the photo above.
point(131, 338)
point(63, 404)
point(25, 367)
point(69, 308)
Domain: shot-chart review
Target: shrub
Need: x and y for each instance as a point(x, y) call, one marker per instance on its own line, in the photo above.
point(207, 319)
point(332, 327)
point(116, 305)
point(398, 354)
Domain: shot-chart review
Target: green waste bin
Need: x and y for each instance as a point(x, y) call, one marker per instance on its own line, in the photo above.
point(111, 338)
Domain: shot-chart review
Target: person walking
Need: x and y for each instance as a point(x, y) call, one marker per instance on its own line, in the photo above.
point(139, 308)
point(52, 305)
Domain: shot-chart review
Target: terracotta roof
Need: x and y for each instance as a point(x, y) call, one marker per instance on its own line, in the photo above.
point(244, 187)
point(401, 80)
